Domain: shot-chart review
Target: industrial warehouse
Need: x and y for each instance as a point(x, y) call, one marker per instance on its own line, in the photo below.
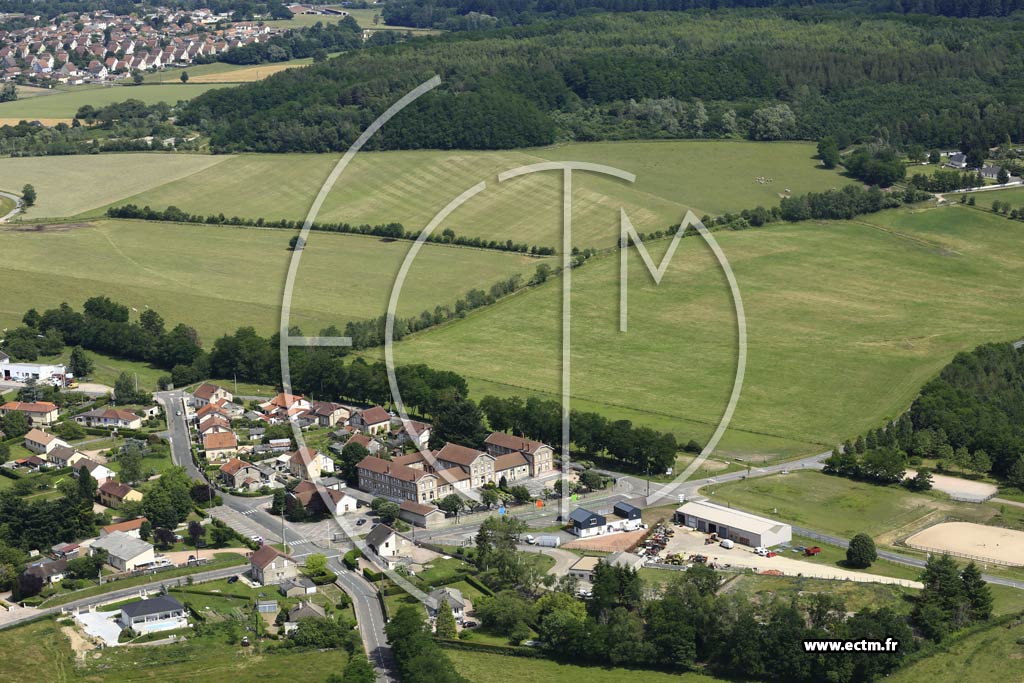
point(741, 527)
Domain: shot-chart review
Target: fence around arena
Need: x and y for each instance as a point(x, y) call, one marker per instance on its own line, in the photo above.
point(966, 556)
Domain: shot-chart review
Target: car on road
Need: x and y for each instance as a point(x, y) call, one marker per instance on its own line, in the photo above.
point(232, 579)
point(178, 413)
point(256, 539)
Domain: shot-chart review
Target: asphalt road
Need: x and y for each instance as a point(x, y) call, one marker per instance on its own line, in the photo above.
point(17, 206)
point(252, 516)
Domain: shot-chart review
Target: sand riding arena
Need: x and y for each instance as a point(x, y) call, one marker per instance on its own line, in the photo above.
point(978, 542)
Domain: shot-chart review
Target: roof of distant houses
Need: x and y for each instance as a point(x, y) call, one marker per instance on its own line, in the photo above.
point(130, 525)
point(418, 508)
point(115, 489)
point(120, 544)
point(220, 440)
point(516, 443)
point(265, 555)
point(157, 605)
point(39, 436)
point(206, 391)
point(234, 465)
point(375, 415)
point(34, 407)
point(112, 414)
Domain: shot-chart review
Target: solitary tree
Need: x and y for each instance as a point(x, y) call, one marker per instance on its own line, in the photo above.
point(195, 532)
point(28, 195)
point(184, 77)
point(861, 551)
point(1002, 177)
point(446, 622)
point(80, 363)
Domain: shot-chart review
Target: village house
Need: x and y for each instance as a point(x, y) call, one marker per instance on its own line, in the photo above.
point(372, 421)
point(419, 514)
point(539, 456)
point(306, 463)
point(303, 610)
point(389, 545)
point(43, 443)
point(207, 393)
point(41, 413)
point(49, 572)
point(298, 587)
point(269, 567)
point(133, 527)
point(113, 494)
point(454, 598)
point(219, 445)
point(239, 474)
point(63, 456)
point(328, 414)
point(109, 418)
point(318, 500)
point(285, 406)
point(124, 552)
point(162, 613)
point(100, 473)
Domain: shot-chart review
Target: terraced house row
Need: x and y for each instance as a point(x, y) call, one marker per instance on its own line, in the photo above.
point(421, 479)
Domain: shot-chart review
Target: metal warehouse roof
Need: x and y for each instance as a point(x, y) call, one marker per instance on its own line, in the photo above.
point(734, 519)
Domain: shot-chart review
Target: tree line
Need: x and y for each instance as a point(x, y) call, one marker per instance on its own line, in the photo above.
point(807, 75)
point(850, 201)
point(462, 15)
point(638, 448)
point(395, 231)
point(969, 418)
point(685, 626)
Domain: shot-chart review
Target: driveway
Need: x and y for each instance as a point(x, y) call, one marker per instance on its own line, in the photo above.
point(101, 625)
point(17, 206)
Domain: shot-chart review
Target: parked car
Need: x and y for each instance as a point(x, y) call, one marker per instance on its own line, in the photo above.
point(727, 544)
point(530, 539)
point(232, 579)
point(362, 521)
point(761, 550)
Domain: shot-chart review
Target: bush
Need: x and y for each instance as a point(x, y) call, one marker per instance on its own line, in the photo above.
point(371, 575)
point(351, 558)
point(323, 579)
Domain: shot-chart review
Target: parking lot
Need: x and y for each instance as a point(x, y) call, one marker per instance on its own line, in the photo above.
point(687, 542)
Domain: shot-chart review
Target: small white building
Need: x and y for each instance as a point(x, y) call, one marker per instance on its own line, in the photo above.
point(736, 525)
point(124, 552)
point(42, 373)
point(624, 517)
point(162, 613)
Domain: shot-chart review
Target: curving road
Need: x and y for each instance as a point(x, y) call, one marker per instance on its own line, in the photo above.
point(18, 206)
point(250, 516)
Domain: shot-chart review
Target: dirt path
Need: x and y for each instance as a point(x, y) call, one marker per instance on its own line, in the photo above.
point(181, 556)
point(79, 643)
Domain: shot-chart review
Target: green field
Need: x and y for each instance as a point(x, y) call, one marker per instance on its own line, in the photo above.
point(411, 187)
point(845, 320)
point(481, 667)
point(68, 185)
point(830, 504)
point(1013, 195)
point(45, 656)
point(855, 595)
point(990, 655)
point(219, 278)
point(64, 104)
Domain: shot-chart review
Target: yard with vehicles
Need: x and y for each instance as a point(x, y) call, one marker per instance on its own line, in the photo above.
point(235, 280)
point(65, 102)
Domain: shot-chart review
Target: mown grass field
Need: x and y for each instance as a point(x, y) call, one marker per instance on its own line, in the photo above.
point(710, 177)
point(64, 105)
point(218, 278)
point(481, 667)
point(845, 321)
point(990, 655)
point(1013, 195)
point(839, 506)
point(222, 72)
point(69, 185)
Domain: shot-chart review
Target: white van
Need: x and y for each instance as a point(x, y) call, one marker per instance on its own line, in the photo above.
point(727, 544)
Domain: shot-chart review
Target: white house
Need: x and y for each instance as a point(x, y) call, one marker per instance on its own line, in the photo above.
point(124, 552)
point(162, 613)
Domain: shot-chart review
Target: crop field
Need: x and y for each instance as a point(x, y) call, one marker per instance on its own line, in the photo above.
point(218, 278)
point(63, 105)
point(709, 177)
point(222, 72)
point(68, 185)
point(845, 322)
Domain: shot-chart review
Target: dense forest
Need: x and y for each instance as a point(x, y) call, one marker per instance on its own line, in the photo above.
point(928, 81)
point(455, 15)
